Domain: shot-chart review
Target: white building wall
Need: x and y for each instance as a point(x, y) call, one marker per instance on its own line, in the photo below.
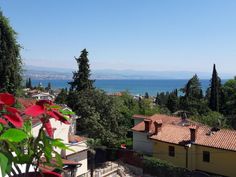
point(141, 143)
point(79, 153)
point(61, 130)
point(80, 157)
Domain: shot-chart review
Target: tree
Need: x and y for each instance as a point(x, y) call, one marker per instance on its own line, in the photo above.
point(146, 95)
point(30, 84)
point(81, 78)
point(49, 87)
point(161, 99)
point(101, 116)
point(215, 90)
point(193, 100)
point(173, 101)
point(27, 83)
point(228, 101)
point(193, 88)
point(10, 60)
point(62, 97)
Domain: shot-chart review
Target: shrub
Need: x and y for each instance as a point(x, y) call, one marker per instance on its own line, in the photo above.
point(161, 168)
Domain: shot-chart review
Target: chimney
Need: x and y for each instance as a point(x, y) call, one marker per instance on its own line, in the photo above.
point(147, 123)
point(158, 125)
point(184, 116)
point(193, 133)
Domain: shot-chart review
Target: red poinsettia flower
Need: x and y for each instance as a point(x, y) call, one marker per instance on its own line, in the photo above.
point(46, 107)
point(9, 113)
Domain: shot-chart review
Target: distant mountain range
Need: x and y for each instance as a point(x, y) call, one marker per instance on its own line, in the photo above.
point(41, 73)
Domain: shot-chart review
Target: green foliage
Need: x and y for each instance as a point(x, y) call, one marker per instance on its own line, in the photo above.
point(81, 79)
point(162, 98)
point(10, 135)
point(213, 119)
point(215, 90)
point(49, 87)
point(3, 164)
point(156, 167)
point(100, 116)
point(62, 97)
point(228, 101)
point(28, 83)
point(193, 100)
point(127, 107)
point(192, 89)
point(229, 97)
point(146, 95)
point(173, 101)
point(146, 107)
point(10, 60)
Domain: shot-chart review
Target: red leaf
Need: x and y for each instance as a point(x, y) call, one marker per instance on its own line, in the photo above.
point(61, 117)
point(52, 115)
point(47, 125)
point(7, 99)
point(15, 119)
point(2, 121)
point(58, 116)
point(12, 110)
point(34, 110)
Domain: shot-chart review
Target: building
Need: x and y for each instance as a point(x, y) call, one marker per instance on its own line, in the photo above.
point(186, 144)
point(66, 133)
point(43, 96)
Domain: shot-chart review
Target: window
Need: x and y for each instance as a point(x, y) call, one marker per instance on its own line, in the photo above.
point(171, 151)
point(206, 156)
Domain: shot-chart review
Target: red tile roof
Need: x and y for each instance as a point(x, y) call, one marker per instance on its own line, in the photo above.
point(174, 131)
point(137, 116)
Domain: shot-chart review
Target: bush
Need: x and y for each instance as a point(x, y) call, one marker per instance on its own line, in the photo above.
point(161, 168)
point(213, 119)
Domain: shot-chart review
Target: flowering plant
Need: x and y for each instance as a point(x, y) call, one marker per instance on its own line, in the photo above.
point(17, 144)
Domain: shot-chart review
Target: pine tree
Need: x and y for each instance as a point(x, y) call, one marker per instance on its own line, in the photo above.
point(215, 87)
point(81, 78)
point(62, 97)
point(10, 60)
point(192, 100)
point(193, 88)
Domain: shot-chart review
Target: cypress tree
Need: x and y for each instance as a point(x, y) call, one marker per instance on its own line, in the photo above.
point(10, 60)
point(81, 79)
point(30, 83)
point(27, 83)
point(215, 86)
point(49, 87)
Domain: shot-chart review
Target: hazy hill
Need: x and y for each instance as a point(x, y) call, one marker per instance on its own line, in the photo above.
point(61, 73)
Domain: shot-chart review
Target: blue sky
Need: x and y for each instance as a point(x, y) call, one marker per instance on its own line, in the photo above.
point(153, 35)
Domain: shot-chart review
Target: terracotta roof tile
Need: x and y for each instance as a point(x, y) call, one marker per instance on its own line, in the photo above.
point(137, 116)
point(26, 102)
point(175, 130)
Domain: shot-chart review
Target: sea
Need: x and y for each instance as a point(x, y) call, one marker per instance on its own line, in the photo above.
point(134, 87)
